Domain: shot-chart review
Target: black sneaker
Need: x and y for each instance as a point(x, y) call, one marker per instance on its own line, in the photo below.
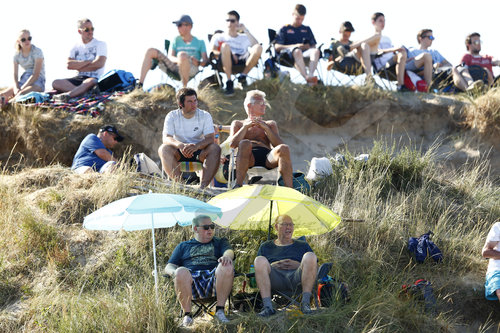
point(403, 88)
point(229, 88)
point(242, 79)
point(267, 312)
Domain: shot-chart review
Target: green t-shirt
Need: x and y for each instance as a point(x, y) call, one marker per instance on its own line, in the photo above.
point(335, 45)
point(194, 48)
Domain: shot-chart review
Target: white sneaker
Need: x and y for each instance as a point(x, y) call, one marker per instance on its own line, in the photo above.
point(221, 317)
point(187, 321)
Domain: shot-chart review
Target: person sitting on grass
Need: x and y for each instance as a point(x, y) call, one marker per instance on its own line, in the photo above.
point(30, 58)
point(283, 264)
point(258, 141)
point(491, 251)
point(188, 136)
point(94, 153)
point(88, 58)
point(202, 267)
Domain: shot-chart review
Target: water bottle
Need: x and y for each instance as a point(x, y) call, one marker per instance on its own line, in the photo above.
point(253, 282)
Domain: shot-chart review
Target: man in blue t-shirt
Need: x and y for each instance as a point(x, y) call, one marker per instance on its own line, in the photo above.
point(185, 55)
point(94, 153)
point(295, 42)
point(284, 264)
point(200, 264)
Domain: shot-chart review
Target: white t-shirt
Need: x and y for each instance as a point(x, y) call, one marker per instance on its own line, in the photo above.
point(28, 63)
point(191, 130)
point(239, 45)
point(494, 236)
point(385, 43)
point(89, 51)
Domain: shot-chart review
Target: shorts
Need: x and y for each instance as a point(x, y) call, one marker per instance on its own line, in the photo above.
point(410, 66)
point(39, 82)
point(78, 80)
point(203, 284)
point(238, 65)
point(260, 155)
point(195, 158)
point(286, 280)
point(170, 67)
point(349, 65)
point(107, 167)
point(286, 56)
point(491, 285)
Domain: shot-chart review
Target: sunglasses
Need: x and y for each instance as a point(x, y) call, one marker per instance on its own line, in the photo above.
point(430, 37)
point(207, 226)
point(477, 42)
point(24, 39)
point(231, 20)
point(88, 29)
point(181, 24)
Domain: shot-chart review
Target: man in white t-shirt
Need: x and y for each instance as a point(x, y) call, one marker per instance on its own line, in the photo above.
point(188, 136)
point(236, 49)
point(88, 58)
point(491, 251)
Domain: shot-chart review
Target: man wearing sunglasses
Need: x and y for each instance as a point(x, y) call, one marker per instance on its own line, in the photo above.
point(94, 153)
point(201, 268)
point(477, 68)
point(185, 56)
point(237, 50)
point(88, 58)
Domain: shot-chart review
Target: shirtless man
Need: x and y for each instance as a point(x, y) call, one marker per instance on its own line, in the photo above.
point(258, 141)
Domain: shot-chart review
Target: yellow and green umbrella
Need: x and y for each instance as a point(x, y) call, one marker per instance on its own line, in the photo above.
point(255, 207)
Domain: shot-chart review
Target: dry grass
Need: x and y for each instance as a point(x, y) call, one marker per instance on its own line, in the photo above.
point(483, 115)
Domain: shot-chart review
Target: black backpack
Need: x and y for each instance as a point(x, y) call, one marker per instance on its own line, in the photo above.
point(332, 291)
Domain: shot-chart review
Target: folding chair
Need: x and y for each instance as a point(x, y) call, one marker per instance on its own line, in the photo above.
point(345, 71)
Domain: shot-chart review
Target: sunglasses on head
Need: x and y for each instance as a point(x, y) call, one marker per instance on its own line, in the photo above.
point(207, 226)
point(231, 20)
point(88, 29)
point(24, 39)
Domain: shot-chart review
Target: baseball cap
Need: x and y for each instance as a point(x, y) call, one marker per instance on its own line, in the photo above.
point(346, 26)
point(184, 19)
point(111, 129)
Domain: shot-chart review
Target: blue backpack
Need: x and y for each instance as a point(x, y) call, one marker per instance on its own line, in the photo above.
point(422, 247)
point(116, 80)
point(299, 183)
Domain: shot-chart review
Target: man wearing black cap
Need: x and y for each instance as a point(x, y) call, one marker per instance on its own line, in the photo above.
point(186, 54)
point(94, 153)
point(339, 58)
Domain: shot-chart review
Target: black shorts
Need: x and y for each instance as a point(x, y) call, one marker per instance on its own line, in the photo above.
point(78, 80)
point(238, 65)
point(195, 158)
point(260, 156)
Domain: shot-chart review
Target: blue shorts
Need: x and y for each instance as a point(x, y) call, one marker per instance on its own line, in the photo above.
point(410, 65)
point(39, 82)
point(203, 283)
point(491, 285)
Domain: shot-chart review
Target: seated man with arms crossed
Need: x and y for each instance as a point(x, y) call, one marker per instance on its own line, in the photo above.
point(188, 136)
point(202, 267)
point(88, 58)
point(254, 139)
point(282, 264)
point(185, 55)
point(94, 153)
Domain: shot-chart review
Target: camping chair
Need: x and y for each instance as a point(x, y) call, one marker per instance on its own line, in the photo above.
point(343, 72)
point(254, 174)
point(277, 59)
point(174, 77)
point(288, 299)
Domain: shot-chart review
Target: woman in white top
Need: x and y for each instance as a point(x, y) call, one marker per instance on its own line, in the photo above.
point(30, 58)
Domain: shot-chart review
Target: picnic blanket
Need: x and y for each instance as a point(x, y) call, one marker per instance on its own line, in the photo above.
point(91, 105)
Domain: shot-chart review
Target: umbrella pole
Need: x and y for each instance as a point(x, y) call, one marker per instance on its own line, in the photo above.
point(270, 215)
point(154, 257)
